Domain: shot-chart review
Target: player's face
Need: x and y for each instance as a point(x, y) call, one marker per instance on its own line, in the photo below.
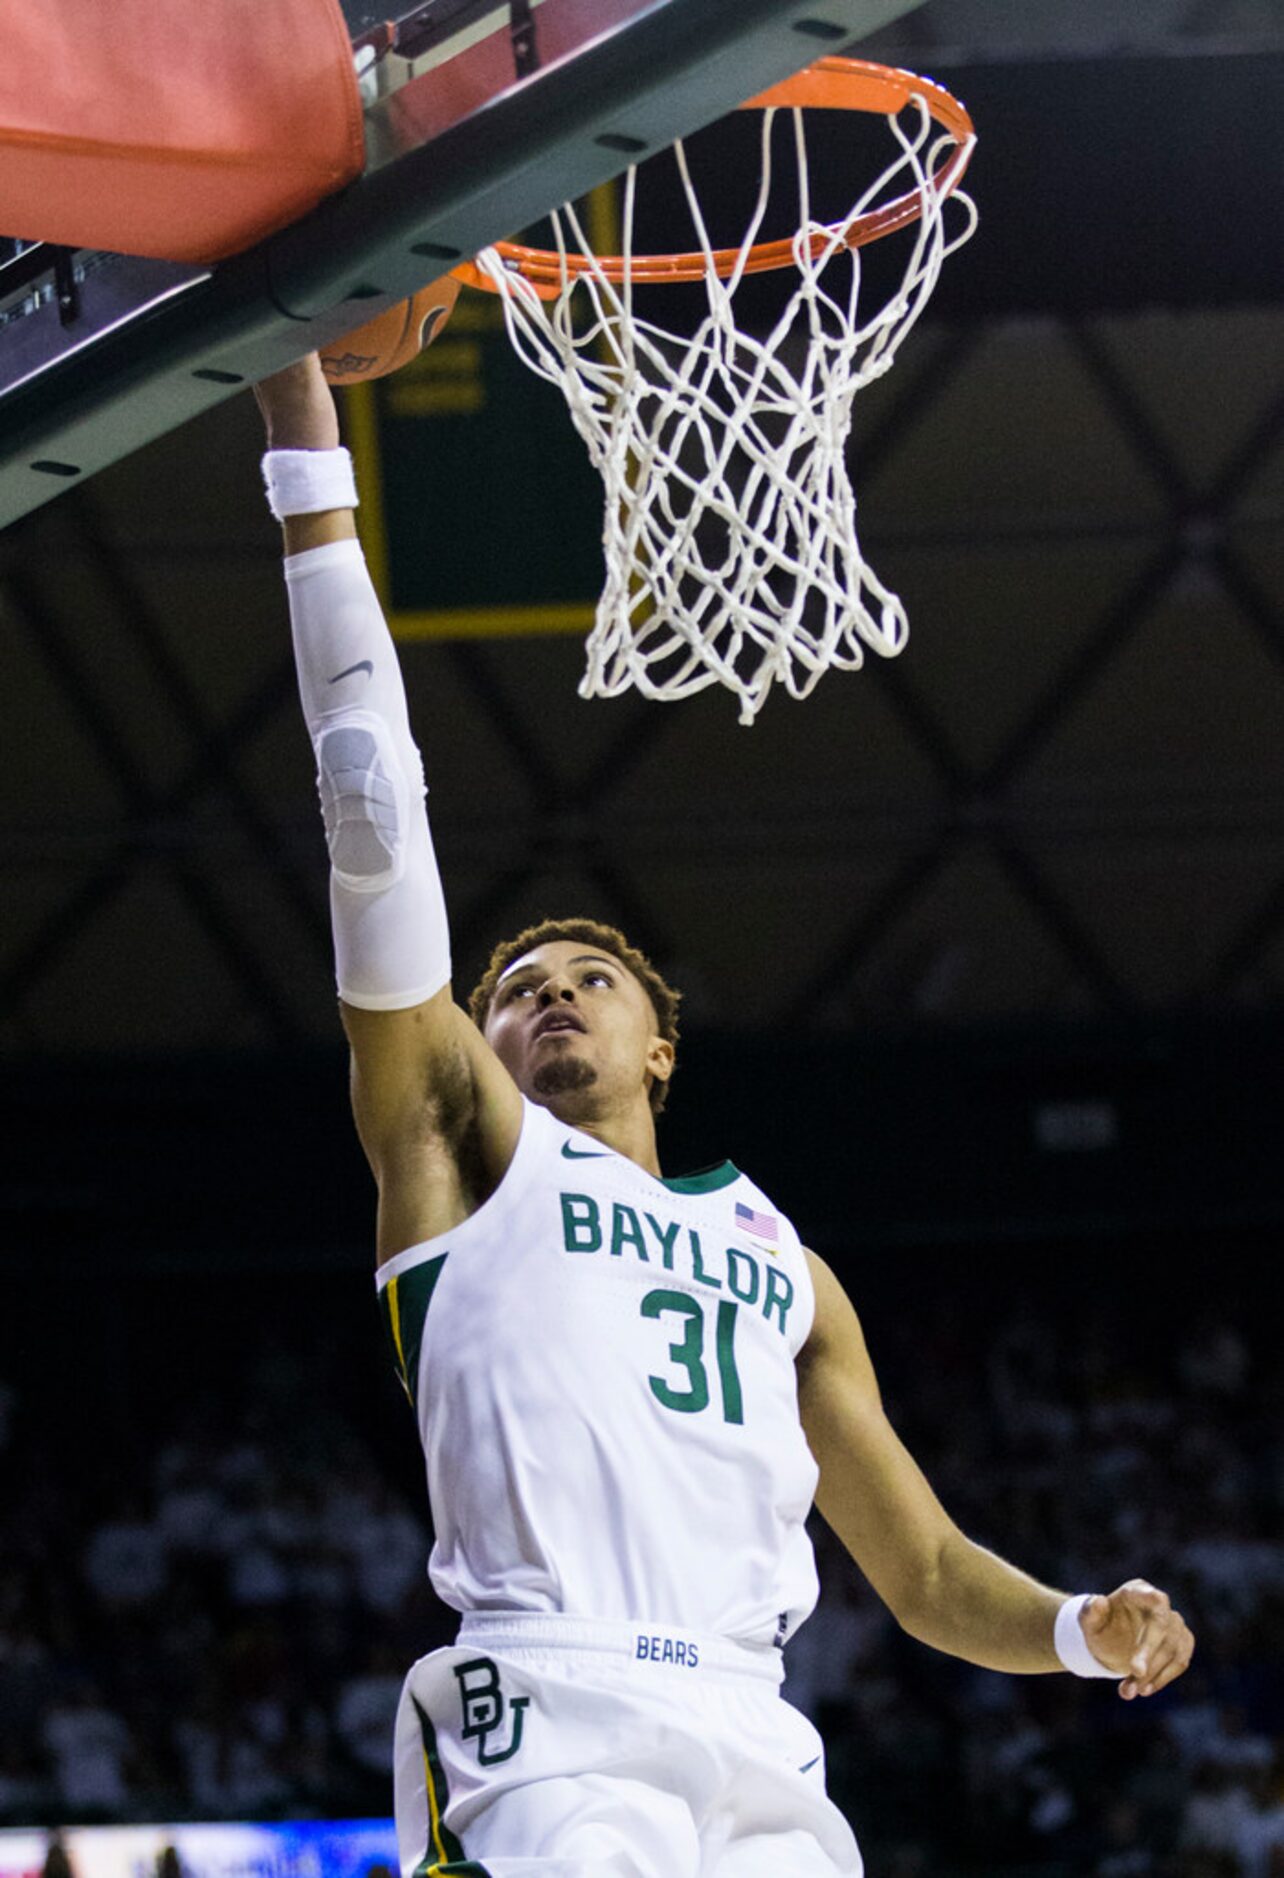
point(575, 1029)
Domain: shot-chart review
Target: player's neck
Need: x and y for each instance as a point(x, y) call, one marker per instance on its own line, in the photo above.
point(630, 1132)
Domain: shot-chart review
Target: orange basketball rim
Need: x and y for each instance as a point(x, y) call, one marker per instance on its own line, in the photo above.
point(831, 84)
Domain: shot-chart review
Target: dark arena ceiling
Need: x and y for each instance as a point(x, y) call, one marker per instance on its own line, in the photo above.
point(1065, 801)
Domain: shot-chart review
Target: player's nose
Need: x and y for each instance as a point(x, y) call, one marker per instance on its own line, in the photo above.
point(554, 988)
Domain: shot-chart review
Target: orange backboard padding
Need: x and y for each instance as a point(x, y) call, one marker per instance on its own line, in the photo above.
point(178, 131)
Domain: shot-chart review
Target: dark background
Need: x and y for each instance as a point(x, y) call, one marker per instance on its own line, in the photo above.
point(982, 953)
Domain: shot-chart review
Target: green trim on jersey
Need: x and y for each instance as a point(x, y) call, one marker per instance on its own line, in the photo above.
point(403, 1305)
point(444, 1856)
point(705, 1179)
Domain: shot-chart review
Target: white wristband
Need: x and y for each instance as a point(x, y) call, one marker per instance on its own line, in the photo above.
point(1072, 1646)
point(307, 482)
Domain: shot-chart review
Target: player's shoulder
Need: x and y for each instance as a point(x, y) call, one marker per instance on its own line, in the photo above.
point(540, 1139)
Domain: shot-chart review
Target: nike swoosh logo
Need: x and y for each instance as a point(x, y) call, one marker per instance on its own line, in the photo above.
point(811, 1763)
point(583, 1154)
point(362, 665)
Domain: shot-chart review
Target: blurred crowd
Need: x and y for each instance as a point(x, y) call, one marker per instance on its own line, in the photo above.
point(220, 1632)
point(212, 1618)
point(1085, 1457)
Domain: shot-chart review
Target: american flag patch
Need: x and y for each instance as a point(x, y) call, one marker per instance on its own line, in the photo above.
point(759, 1225)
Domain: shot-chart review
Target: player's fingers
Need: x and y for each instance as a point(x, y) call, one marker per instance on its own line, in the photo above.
point(1142, 1652)
point(1140, 1595)
point(1160, 1668)
point(1151, 1614)
point(1169, 1656)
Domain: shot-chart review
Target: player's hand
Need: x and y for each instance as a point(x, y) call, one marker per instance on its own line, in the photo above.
point(298, 408)
point(1137, 1633)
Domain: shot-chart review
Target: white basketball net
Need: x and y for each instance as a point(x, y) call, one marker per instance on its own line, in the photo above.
point(730, 520)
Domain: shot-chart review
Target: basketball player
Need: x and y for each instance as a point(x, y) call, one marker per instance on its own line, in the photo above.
point(629, 1387)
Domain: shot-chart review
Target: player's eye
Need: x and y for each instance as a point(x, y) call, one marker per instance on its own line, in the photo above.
point(518, 991)
point(601, 978)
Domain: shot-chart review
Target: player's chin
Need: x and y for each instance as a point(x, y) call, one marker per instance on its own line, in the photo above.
point(563, 1074)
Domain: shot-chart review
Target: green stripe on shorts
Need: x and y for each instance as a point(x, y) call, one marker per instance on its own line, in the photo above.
point(444, 1857)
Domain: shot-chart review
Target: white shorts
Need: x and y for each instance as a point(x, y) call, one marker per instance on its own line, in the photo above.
point(550, 1747)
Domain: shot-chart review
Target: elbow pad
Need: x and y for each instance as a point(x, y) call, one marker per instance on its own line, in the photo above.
point(364, 801)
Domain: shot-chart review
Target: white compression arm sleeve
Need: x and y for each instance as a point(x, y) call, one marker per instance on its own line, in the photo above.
point(392, 947)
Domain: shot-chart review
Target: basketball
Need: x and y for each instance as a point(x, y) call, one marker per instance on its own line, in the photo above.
point(391, 340)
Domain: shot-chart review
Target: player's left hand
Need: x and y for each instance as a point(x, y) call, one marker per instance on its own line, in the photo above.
point(1137, 1633)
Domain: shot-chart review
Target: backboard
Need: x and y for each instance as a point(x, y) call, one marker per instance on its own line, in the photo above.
point(479, 117)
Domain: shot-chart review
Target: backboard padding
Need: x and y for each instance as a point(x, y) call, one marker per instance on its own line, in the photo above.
point(615, 75)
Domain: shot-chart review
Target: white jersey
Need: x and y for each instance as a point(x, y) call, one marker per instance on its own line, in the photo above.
point(602, 1367)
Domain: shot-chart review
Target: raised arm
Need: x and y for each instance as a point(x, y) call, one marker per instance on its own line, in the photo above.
point(939, 1585)
point(437, 1113)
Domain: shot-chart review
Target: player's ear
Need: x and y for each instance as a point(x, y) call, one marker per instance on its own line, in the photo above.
point(660, 1058)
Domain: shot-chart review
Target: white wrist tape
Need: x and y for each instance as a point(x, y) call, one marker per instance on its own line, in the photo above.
point(392, 946)
point(307, 482)
point(1072, 1646)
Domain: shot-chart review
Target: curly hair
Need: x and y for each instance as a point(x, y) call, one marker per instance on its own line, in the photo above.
point(608, 939)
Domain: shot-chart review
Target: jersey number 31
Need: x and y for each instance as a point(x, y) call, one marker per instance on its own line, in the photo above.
point(689, 1354)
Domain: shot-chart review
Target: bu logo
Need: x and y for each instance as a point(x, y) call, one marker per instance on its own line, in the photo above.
point(483, 1704)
